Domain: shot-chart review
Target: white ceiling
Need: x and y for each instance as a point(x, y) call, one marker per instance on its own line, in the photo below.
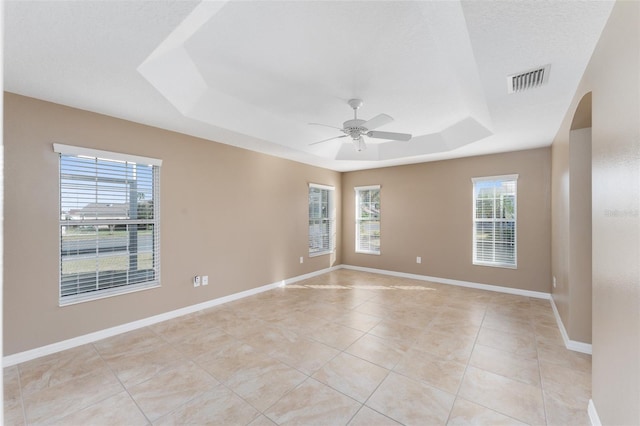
point(254, 73)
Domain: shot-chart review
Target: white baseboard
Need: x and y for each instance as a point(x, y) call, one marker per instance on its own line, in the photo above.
point(19, 357)
point(572, 345)
point(499, 289)
point(593, 414)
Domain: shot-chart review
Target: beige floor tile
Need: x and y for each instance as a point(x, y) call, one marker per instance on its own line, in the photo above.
point(118, 409)
point(230, 322)
point(518, 311)
point(448, 346)
point(469, 330)
point(436, 371)
point(358, 320)
point(262, 420)
point(324, 311)
point(561, 414)
point(59, 368)
point(562, 356)
point(215, 406)
point(571, 387)
point(411, 402)
point(335, 335)
point(467, 413)
point(135, 367)
point(460, 317)
point(264, 348)
point(263, 386)
point(505, 364)
point(171, 388)
point(231, 359)
point(546, 320)
point(13, 411)
point(132, 341)
point(394, 330)
point(313, 403)
point(548, 335)
point(177, 328)
point(201, 343)
point(55, 402)
point(352, 376)
point(384, 352)
point(368, 417)
point(507, 324)
point(270, 339)
point(376, 309)
point(524, 346)
point(509, 397)
point(305, 355)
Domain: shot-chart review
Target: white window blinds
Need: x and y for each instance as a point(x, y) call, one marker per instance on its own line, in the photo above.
point(109, 223)
point(321, 218)
point(495, 221)
point(368, 219)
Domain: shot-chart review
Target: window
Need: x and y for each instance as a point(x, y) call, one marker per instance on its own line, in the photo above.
point(494, 221)
point(109, 223)
point(368, 219)
point(321, 217)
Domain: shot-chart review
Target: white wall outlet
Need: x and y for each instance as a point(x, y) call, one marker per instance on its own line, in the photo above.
point(418, 259)
point(196, 281)
point(205, 280)
point(301, 259)
point(554, 281)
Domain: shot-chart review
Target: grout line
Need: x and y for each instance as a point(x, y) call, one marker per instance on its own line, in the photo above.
point(22, 404)
point(119, 381)
point(466, 367)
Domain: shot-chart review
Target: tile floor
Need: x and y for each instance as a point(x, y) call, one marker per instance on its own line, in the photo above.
point(343, 348)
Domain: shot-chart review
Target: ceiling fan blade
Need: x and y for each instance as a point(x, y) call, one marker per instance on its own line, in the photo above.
point(325, 125)
point(327, 140)
point(389, 135)
point(377, 121)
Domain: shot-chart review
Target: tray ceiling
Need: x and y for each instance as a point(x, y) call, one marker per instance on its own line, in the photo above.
point(254, 73)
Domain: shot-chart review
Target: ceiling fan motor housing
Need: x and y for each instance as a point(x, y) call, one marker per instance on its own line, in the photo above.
point(354, 128)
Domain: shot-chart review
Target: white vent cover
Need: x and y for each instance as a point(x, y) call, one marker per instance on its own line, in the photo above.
point(528, 79)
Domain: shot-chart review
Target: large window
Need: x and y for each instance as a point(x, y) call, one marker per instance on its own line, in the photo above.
point(109, 224)
point(368, 219)
point(494, 221)
point(321, 217)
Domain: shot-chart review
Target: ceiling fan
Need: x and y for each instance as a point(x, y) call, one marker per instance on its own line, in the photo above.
point(357, 128)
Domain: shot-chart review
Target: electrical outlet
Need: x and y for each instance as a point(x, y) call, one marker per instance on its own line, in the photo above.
point(301, 259)
point(196, 281)
point(205, 280)
point(554, 282)
point(418, 259)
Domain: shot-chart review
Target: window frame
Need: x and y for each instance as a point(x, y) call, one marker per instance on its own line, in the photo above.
point(502, 179)
point(115, 157)
point(358, 219)
point(331, 218)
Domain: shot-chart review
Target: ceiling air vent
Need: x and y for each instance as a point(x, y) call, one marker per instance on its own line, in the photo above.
point(528, 79)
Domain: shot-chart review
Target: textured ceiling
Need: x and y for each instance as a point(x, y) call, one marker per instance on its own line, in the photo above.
point(255, 73)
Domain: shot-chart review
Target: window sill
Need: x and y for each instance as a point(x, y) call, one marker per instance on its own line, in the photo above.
point(321, 253)
point(496, 265)
point(89, 297)
point(375, 253)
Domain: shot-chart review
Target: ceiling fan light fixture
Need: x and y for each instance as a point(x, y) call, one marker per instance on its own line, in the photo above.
point(359, 144)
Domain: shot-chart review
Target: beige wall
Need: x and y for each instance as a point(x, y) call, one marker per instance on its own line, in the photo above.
point(613, 77)
point(238, 216)
point(571, 220)
point(426, 210)
point(579, 324)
